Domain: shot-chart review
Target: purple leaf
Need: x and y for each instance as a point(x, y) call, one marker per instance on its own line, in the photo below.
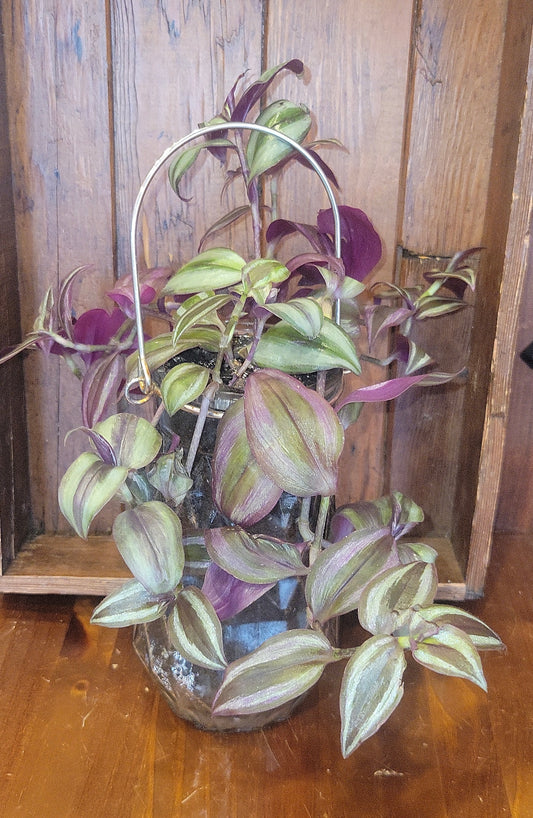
point(97, 327)
point(101, 387)
point(150, 283)
point(280, 228)
point(104, 450)
point(361, 245)
point(230, 595)
point(388, 390)
point(255, 91)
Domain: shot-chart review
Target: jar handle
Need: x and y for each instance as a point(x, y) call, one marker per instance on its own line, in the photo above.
point(144, 380)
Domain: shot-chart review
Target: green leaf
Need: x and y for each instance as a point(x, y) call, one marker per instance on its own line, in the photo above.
point(371, 690)
point(131, 604)
point(134, 440)
point(413, 551)
point(195, 629)
point(282, 347)
point(281, 669)
point(303, 314)
point(225, 221)
point(433, 306)
point(452, 653)
point(213, 269)
point(262, 273)
point(387, 601)
point(186, 159)
point(483, 637)
point(86, 487)
point(168, 476)
point(149, 540)
point(264, 151)
point(197, 309)
point(342, 570)
point(254, 559)
point(183, 384)
point(161, 349)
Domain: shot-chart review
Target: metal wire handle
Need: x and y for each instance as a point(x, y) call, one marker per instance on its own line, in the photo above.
point(144, 380)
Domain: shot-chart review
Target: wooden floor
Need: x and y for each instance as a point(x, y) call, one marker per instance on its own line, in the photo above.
point(83, 734)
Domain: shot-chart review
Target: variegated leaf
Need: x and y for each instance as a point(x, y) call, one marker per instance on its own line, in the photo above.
point(293, 433)
point(452, 653)
point(285, 348)
point(303, 314)
point(168, 476)
point(195, 629)
point(281, 669)
point(256, 559)
point(182, 384)
point(196, 310)
point(86, 487)
point(341, 572)
point(241, 489)
point(483, 637)
point(264, 151)
point(371, 690)
point(131, 604)
point(133, 439)
point(213, 269)
point(386, 602)
point(149, 540)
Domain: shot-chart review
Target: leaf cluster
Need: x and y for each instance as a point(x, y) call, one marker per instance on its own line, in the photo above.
point(305, 314)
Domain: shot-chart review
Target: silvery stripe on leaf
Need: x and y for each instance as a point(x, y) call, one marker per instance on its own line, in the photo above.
point(253, 559)
point(241, 489)
point(149, 540)
point(293, 433)
point(86, 487)
point(133, 439)
point(195, 629)
point(371, 690)
point(282, 668)
point(131, 604)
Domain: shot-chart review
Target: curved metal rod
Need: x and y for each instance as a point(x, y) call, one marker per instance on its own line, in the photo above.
point(144, 381)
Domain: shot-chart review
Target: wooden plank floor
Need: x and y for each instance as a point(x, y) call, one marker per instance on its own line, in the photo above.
point(83, 734)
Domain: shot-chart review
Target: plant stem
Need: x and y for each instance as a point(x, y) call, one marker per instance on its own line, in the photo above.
point(303, 520)
point(207, 397)
point(315, 549)
point(252, 192)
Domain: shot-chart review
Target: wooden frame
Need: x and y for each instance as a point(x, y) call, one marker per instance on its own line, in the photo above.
point(60, 564)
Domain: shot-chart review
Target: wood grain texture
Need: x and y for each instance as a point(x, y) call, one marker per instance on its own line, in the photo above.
point(173, 65)
point(355, 85)
point(59, 123)
point(84, 734)
point(456, 59)
point(515, 499)
point(14, 484)
point(515, 265)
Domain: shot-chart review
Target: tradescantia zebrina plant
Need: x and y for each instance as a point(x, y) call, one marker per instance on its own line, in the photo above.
point(270, 330)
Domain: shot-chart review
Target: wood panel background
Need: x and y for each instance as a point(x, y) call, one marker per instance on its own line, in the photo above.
point(97, 90)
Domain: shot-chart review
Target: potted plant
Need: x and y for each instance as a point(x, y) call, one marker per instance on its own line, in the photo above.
point(240, 564)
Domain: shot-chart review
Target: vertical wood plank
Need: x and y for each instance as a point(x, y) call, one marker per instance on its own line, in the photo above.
point(59, 124)
point(357, 61)
point(456, 62)
point(456, 56)
point(511, 259)
point(515, 501)
point(14, 484)
point(173, 64)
